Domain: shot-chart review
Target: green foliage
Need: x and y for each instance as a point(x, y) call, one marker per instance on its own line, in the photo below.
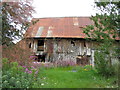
point(5, 63)
point(14, 64)
point(14, 76)
point(105, 31)
point(73, 77)
point(106, 61)
point(106, 24)
point(102, 65)
point(88, 67)
point(116, 67)
point(4, 60)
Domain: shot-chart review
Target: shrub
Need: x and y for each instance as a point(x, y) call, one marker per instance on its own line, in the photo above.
point(15, 76)
point(88, 67)
point(103, 61)
point(17, 54)
point(102, 65)
point(116, 67)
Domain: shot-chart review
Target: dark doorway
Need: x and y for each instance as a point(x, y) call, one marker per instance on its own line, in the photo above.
point(79, 59)
point(82, 60)
point(41, 58)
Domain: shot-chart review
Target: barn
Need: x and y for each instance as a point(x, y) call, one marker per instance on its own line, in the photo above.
point(61, 39)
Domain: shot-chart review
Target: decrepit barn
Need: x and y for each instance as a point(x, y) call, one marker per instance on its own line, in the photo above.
point(53, 39)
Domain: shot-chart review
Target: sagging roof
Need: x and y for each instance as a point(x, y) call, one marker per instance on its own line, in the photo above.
point(64, 27)
point(59, 27)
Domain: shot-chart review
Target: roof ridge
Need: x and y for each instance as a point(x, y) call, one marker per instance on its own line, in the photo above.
point(65, 17)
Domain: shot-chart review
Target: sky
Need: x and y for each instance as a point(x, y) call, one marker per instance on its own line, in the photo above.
point(63, 8)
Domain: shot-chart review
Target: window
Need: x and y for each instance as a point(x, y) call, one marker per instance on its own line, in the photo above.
point(84, 44)
point(40, 42)
point(40, 45)
point(73, 43)
point(30, 45)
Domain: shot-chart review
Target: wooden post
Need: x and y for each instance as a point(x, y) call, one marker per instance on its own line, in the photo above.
point(92, 56)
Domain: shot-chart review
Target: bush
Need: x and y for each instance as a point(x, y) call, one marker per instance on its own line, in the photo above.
point(103, 61)
point(102, 65)
point(15, 76)
point(17, 54)
point(116, 67)
point(88, 67)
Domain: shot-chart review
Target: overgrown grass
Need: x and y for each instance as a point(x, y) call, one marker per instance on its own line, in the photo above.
point(15, 76)
point(74, 77)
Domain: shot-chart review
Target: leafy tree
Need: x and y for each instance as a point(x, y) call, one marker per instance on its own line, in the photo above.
point(105, 30)
point(15, 19)
point(107, 23)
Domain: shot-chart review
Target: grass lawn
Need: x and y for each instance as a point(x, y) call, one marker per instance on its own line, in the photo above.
point(73, 77)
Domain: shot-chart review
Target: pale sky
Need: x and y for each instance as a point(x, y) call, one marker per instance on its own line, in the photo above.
point(63, 8)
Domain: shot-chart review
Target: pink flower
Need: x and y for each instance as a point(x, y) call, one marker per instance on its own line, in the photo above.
point(24, 66)
point(32, 67)
point(29, 71)
point(26, 69)
point(36, 72)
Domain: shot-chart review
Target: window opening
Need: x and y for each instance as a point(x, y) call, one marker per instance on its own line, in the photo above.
point(41, 58)
point(40, 45)
point(84, 44)
point(73, 43)
point(30, 45)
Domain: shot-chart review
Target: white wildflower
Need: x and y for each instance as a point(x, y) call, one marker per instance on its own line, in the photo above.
point(44, 78)
point(42, 84)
